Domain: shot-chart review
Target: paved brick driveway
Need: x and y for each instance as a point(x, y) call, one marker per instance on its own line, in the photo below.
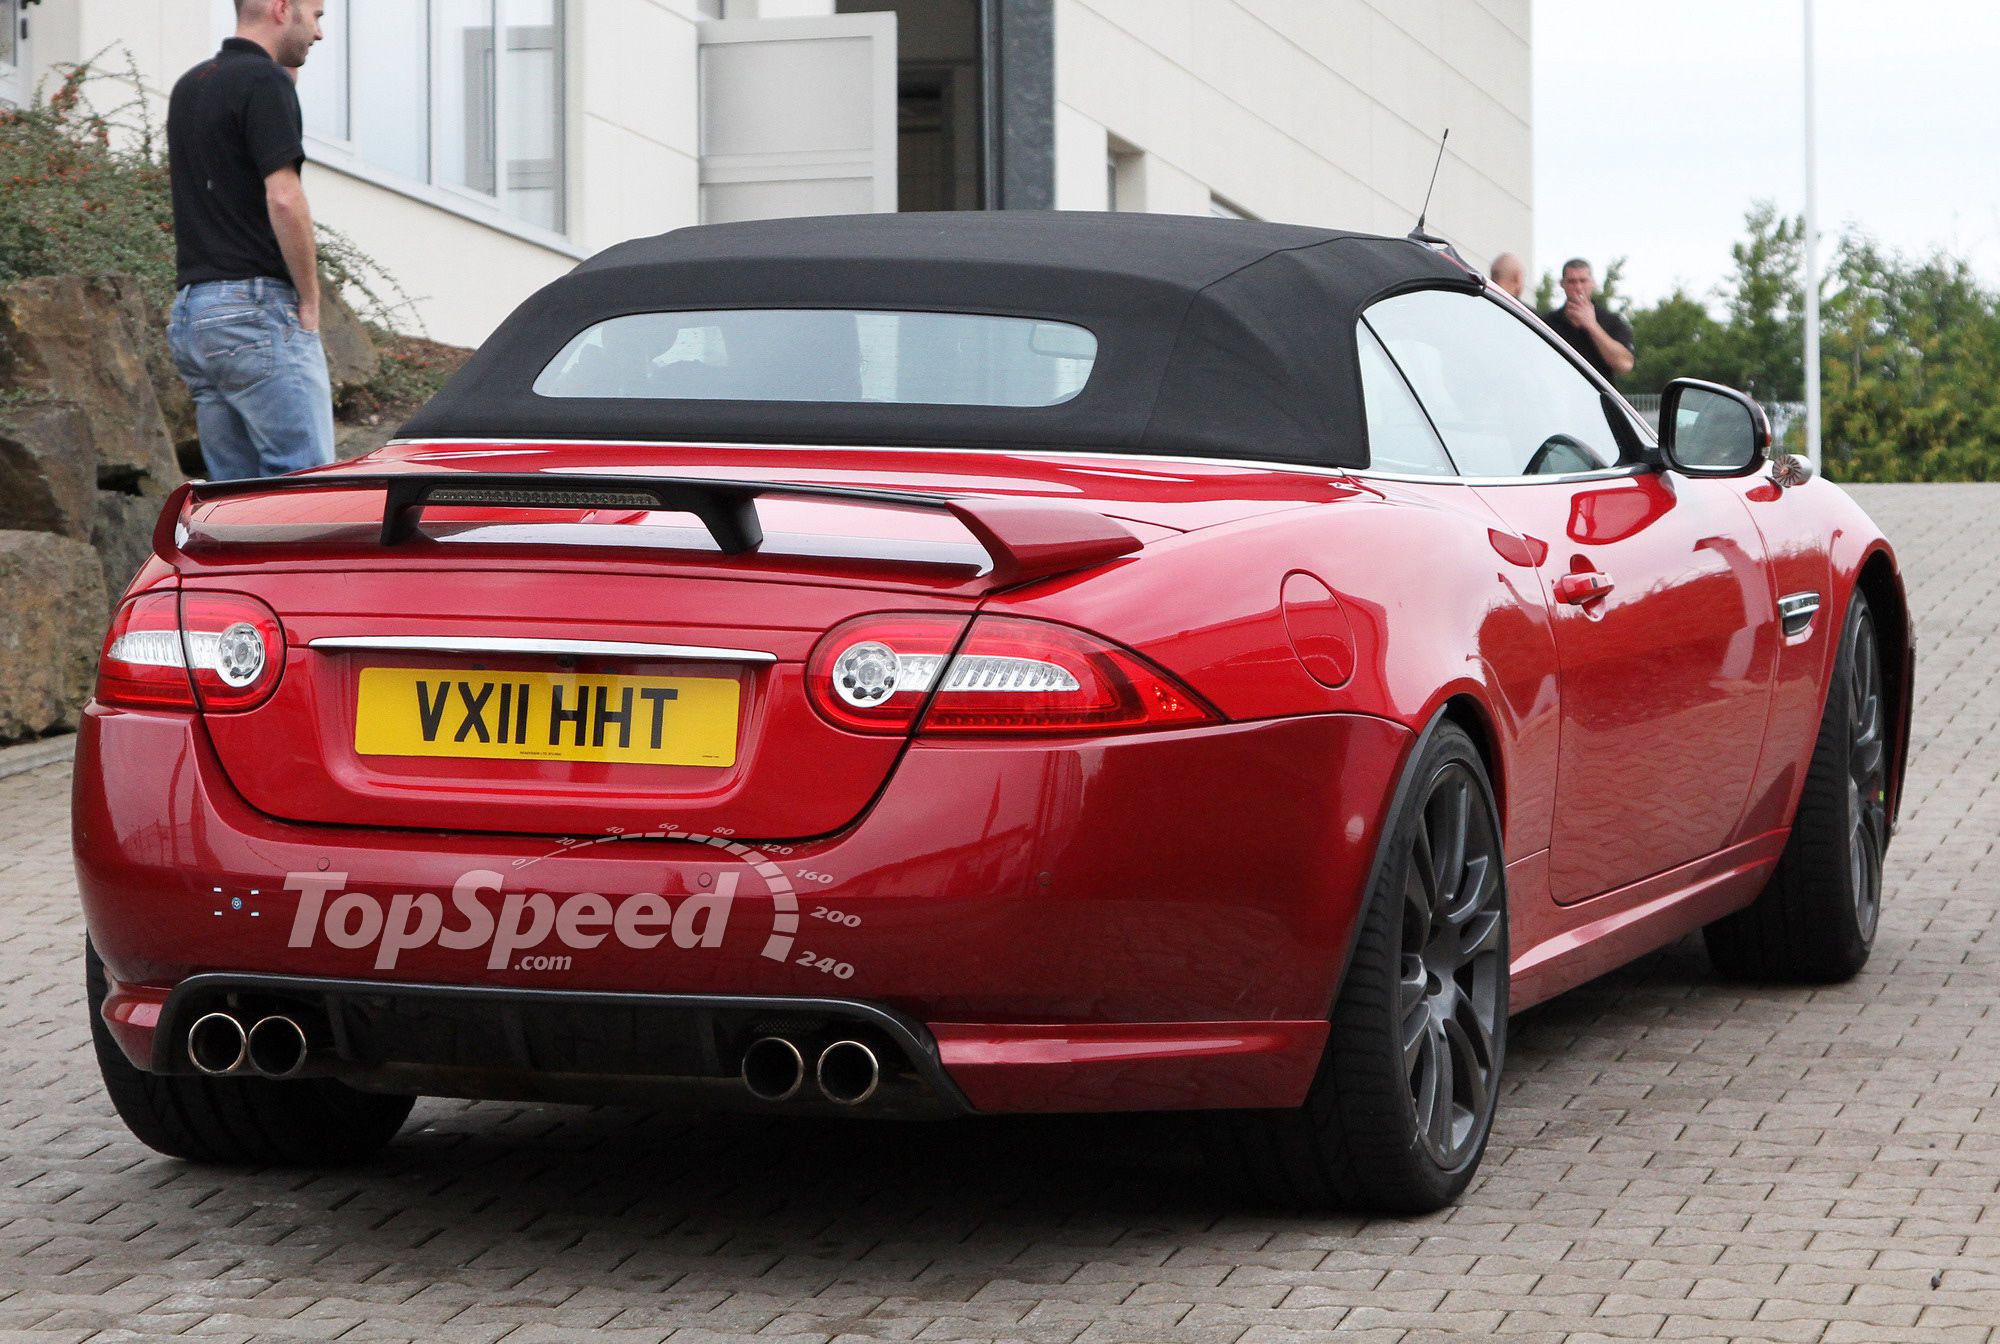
point(1676, 1158)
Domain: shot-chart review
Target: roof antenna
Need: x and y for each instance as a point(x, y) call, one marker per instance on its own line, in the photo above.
point(1438, 163)
point(1418, 235)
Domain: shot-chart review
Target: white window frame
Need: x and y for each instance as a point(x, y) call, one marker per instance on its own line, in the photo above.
point(17, 78)
point(468, 205)
point(342, 157)
point(501, 93)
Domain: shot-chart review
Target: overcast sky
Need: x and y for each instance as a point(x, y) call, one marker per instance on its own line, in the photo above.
point(1657, 123)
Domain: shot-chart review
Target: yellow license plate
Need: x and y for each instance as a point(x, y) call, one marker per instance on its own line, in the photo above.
point(542, 716)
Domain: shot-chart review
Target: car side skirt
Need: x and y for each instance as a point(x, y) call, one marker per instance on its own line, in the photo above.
point(1560, 947)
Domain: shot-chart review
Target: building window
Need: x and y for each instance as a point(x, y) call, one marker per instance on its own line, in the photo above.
point(1124, 176)
point(462, 94)
point(13, 56)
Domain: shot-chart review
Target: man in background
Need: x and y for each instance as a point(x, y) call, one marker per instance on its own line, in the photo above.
point(1603, 338)
point(245, 324)
point(1507, 274)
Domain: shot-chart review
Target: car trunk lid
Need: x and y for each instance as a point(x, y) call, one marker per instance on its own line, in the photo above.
point(472, 645)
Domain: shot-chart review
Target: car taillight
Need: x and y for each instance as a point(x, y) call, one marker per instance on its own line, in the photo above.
point(1011, 676)
point(873, 673)
point(1014, 675)
point(143, 665)
point(220, 652)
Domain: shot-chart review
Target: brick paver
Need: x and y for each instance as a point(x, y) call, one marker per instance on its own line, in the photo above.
point(1676, 1158)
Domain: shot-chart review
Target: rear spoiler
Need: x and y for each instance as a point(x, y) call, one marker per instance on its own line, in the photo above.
point(1025, 538)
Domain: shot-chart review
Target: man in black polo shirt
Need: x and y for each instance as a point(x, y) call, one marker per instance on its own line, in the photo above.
point(245, 326)
point(1603, 338)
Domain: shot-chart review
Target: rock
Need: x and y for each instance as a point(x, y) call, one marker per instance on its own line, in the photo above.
point(64, 338)
point(48, 469)
point(352, 441)
point(122, 532)
point(351, 356)
point(51, 625)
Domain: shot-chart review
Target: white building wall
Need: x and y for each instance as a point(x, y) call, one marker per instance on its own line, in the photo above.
point(462, 277)
point(1309, 111)
point(636, 143)
point(1316, 111)
point(1083, 155)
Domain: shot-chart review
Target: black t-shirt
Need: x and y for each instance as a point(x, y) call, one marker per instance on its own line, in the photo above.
point(233, 120)
point(1616, 327)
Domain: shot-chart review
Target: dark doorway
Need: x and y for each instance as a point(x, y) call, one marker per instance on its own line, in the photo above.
point(940, 102)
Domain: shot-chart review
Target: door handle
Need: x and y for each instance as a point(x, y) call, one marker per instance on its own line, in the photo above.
point(1577, 589)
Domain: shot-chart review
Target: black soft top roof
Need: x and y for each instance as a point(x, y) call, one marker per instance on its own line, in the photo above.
point(1216, 338)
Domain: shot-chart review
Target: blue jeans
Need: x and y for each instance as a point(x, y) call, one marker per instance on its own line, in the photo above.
point(262, 401)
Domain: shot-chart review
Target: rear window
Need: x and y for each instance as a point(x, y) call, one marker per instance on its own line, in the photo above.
point(825, 355)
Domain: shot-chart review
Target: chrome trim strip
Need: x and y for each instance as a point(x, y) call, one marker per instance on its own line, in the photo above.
point(1619, 472)
point(501, 644)
point(1044, 454)
point(1796, 612)
point(1026, 454)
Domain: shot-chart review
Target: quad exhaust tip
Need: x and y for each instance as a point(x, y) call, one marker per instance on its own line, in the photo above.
point(773, 1069)
point(848, 1073)
point(217, 1044)
point(276, 1047)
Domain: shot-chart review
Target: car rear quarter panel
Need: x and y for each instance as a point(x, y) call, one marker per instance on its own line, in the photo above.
point(1440, 600)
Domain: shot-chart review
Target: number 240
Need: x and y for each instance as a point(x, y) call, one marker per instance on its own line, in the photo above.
point(839, 970)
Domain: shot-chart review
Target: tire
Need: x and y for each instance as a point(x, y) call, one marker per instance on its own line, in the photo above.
point(1429, 968)
point(1814, 922)
point(303, 1122)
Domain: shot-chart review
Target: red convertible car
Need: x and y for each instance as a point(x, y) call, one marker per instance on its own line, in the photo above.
point(934, 665)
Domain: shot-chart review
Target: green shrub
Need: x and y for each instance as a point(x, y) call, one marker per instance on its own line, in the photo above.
point(84, 191)
point(1909, 351)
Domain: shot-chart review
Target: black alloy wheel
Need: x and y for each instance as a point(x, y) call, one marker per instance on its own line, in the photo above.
point(1867, 776)
point(1398, 1114)
point(1816, 919)
point(1452, 992)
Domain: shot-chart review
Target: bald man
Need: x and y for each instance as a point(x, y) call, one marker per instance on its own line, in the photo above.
point(245, 325)
point(1506, 273)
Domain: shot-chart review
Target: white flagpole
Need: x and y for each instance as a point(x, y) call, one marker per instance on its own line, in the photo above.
point(1812, 262)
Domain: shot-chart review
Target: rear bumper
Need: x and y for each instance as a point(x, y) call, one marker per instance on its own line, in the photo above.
point(1147, 922)
point(551, 1045)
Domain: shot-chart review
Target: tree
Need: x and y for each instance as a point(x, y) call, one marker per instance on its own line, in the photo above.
point(1608, 292)
point(1765, 300)
point(1910, 369)
point(1910, 350)
point(1679, 338)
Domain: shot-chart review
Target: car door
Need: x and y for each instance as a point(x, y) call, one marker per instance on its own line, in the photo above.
point(1658, 586)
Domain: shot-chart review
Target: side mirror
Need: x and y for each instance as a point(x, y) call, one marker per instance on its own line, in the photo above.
point(1710, 430)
